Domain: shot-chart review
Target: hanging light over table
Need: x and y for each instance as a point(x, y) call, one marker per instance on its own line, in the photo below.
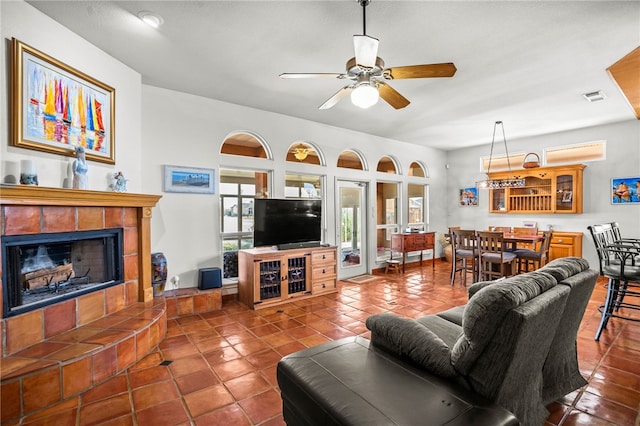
point(511, 182)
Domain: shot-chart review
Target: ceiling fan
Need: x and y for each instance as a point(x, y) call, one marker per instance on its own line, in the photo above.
point(368, 74)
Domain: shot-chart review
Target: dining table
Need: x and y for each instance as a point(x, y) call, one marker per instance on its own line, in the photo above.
point(513, 239)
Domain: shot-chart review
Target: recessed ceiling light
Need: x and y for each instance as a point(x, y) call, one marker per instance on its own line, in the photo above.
point(594, 96)
point(151, 18)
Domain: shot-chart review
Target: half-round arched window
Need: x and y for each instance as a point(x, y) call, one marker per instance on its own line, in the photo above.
point(303, 152)
point(416, 169)
point(350, 159)
point(387, 164)
point(245, 144)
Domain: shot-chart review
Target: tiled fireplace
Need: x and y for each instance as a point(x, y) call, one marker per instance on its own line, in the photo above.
point(36, 212)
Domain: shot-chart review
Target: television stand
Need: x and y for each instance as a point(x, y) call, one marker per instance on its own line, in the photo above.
point(290, 246)
point(271, 277)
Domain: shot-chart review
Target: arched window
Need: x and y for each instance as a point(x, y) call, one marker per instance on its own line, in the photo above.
point(416, 169)
point(350, 159)
point(387, 164)
point(246, 145)
point(303, 152)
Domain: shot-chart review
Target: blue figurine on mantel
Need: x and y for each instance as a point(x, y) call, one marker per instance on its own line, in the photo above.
point(119, 182)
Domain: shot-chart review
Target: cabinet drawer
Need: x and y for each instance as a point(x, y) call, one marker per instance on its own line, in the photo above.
point(327, 256)
point(320, 273)
point(323, 286)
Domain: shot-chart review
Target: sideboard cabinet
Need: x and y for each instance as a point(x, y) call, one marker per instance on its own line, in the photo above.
point(268, 277)
point(565, 244)
point(546, 190)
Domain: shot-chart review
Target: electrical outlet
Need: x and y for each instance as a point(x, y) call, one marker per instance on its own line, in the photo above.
point(176, 281)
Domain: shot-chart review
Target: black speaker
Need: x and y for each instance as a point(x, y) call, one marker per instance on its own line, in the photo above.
point(209, 278)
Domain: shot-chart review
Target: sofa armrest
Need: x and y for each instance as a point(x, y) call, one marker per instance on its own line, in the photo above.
point(407, 338)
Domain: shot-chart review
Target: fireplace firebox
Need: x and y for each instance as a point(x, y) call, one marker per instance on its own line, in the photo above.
point(42, 269)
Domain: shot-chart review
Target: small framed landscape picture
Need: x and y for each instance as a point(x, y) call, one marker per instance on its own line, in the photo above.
point(189, 179)
point(625, 190)
point(469, 197)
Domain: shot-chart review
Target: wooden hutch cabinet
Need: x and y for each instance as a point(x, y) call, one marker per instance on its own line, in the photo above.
point(546, 190)
point(268, 277)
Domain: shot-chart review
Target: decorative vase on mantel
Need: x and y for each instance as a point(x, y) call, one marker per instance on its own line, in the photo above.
point(158, 273)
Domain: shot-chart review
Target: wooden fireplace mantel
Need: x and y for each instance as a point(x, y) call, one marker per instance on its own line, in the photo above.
point(23, 195)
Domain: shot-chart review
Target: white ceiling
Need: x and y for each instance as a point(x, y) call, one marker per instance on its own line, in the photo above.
point(526, 63)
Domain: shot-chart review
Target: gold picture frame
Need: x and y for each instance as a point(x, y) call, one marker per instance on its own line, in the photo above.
point(56, 107)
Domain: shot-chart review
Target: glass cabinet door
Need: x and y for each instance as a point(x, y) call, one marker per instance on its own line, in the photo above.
point(564, 192)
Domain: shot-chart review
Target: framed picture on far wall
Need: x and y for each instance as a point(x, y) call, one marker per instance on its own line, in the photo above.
point(469, 197)
point(56, 107)
point(625, 190)
point(189, 179)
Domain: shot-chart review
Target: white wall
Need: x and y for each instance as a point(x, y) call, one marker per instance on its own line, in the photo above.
point(623, 160)
point(186, 130)
point(27, 24)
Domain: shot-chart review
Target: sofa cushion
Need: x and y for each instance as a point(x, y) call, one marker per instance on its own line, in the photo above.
point(565, 267)
point(487, 309)
point(412, 340)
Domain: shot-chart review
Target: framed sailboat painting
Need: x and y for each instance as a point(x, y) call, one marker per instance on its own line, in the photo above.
point(56, 107)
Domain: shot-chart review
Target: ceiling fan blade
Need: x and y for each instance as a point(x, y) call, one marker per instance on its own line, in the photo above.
point(311, 75)
point(421, 71)
point(336, 97)
point(366, 49)
point(391, 96)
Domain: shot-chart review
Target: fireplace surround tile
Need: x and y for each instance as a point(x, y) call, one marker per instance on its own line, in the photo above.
point(75, 378)
point(130, 240)
point(90, 307)
point(41, 389)
point(58, 219)
point(105, 364)
point(21, 220)
point(24, 330)
point(131, 267)
point(114, 299)
point(90, 218)
point(59, 318)
point(126, 353)
point(10, 401)
point(130, 217)
point(113, 217)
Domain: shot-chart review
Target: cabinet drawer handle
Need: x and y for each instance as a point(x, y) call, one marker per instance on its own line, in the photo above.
point(324, 285)
point(324, 256)
point(323, 271)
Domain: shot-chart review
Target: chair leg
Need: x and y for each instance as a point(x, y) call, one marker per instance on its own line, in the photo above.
point(609, 305)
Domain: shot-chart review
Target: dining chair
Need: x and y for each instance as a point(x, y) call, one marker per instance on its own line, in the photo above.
point(617, 235)
point(464, 254)
point(534, 259)
point(525, 230)
point(499, 228)
point(494, 261)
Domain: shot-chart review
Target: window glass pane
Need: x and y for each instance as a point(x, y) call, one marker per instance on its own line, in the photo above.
point(303, 186)
point(228, 188)
point(387, 203)
point(247, 215)
point(230, 214)
point(248, 189)
point(416, 205)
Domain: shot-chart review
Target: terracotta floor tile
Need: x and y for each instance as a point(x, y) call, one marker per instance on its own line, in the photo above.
point(231, 369)
point(607, 410)
point(188, 365)
point(229, 415)
point(212, 344)
point(196, 381)
point(106, 409)
point(110, 388)
point(154, 394)
point(167, 413)
point(182, 351)
point(208, 399)
point(264, 359)
point(262, 406)
point(248, 385)
point(147, 376)
point(250, 347)
point(221, 355)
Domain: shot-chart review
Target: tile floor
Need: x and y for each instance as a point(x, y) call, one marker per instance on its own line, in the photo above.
point(223, 362)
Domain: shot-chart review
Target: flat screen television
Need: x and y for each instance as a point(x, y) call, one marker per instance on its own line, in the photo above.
point(287, 223)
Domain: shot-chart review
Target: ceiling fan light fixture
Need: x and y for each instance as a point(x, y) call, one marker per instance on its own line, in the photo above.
point(365, 95)
point(301, 152)
point(150, 18)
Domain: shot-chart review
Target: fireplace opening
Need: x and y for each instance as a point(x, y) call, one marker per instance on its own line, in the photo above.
point(42, 269)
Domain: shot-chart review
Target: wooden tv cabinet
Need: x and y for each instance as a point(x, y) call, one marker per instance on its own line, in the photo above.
point(268, 277)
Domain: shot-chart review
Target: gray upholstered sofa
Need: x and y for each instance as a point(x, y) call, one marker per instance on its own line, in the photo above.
point(512, 346)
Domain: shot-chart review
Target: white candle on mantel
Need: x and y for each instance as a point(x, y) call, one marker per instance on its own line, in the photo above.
point(27, 167)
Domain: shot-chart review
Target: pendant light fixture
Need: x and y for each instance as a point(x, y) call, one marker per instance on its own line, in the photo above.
point(511, 182)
